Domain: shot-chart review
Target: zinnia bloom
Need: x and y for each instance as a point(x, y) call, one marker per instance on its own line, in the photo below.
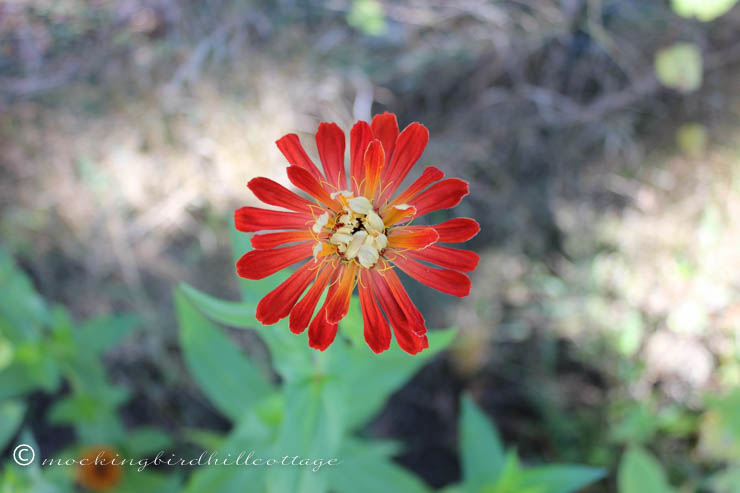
point(96, 471)
point(355, 232)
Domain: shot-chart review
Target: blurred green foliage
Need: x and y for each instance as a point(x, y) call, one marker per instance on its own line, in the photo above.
point(367, 16)
point(704, 10)
point(44, 351)
point(679, 67)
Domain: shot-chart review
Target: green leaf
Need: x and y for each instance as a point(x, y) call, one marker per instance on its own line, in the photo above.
point(640, 472)
point(512, 479)
point(637, 424)
point(370, 379)
point(82, 408)
point(312, 428)
point(238, 314)
point(365, 469)
point(146, 440)
point(7, 352)
point(206, 439)
point(15, 381)
point(704, 10)
point(221, 370)
point(561, 478)
point(142, 481)
point(11, 415)
point(679, 67)
point(291, 356)
point(93, 416)
point(250, 435)
point(35, 362)
point(23, 310)
point(727, 481)
point(102, 333)
point(481, 449)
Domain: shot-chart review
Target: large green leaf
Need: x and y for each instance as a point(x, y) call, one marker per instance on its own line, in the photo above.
point(146, 440)
point(102, 333)
point(312, 429)
point(250, 435)
point(640, 472)
point(561, 478)
point(511, 479)
point(11, 415)
point(291, 356)
point(238, 314)
point(22, 309)
point(370, 379)
point(367, 469)
point(481, 450)
point(223, 373)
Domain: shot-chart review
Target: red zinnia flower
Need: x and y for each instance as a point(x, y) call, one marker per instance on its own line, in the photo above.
point(356, 234)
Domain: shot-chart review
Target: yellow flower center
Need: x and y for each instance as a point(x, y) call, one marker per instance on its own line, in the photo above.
point(358, 232)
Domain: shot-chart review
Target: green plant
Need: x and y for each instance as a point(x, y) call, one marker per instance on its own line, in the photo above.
point(41, 349)
point(490, 468)
point(322, 403)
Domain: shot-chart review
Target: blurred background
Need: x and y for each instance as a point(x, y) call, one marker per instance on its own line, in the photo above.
point(599, 137)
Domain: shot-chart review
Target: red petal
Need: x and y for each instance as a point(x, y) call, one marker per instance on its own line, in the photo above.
point(330, 143)
point(414, 238)
point(273, 193)
point(321, 333)
point(303, 180)
point(293, 151)
point(377, 331)
point(259, 264)
point(300, 315)
point(273, 240)
point(429, 176)
point(338, 305)
point(413, 315)
point(385, 129)
point(251, 219)
point(278, 303)
point(405, 337)
point(409, 148)
point(447, 281)
point(451, 258)
point(457, 230)
point(442, 195)
point(373, 163)
point(359, 138)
